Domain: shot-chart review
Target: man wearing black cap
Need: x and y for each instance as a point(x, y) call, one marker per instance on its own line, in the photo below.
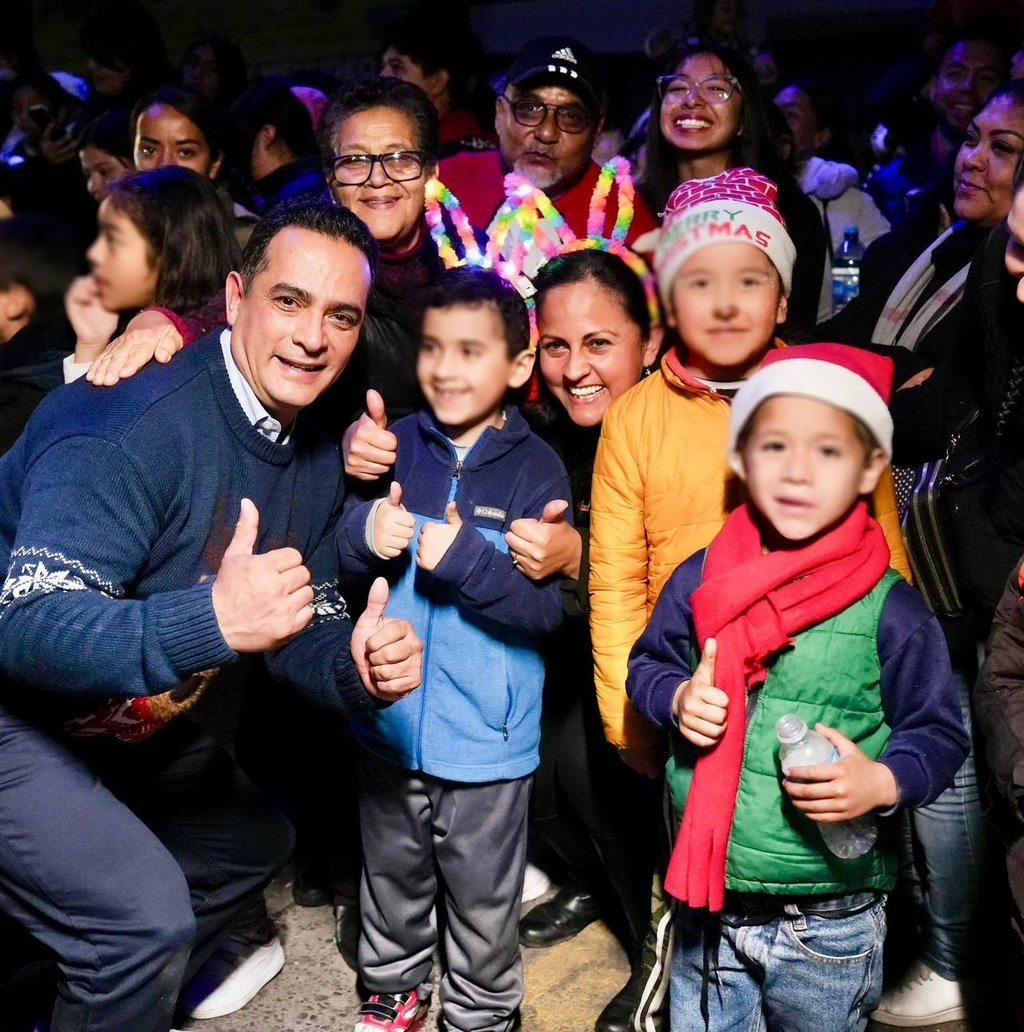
point(548, 117)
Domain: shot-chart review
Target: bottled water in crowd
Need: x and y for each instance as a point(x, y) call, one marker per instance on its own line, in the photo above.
point(802, 747)
point(846, 269)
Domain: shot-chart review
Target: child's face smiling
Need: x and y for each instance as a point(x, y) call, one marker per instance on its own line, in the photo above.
point(465, 371)
point(804, 465)
point(726, 302)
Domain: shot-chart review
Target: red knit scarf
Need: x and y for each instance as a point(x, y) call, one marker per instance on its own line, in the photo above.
point(753, 604)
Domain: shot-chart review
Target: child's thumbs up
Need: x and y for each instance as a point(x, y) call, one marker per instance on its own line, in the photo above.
point(437, 538)
point(700, 706)
point(706, 667)
point(393, 526)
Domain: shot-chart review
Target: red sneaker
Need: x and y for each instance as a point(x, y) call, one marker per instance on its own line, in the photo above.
point(382, 1012)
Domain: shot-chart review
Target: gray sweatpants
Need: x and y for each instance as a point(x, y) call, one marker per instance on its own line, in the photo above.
point(417, 829)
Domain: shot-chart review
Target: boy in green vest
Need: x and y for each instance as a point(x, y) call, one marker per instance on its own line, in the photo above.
point(793, 609)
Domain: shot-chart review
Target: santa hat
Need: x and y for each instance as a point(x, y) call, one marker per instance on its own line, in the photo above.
point(856, 381)
point(736, 206)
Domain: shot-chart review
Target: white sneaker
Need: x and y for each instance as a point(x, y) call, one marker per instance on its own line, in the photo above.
point(923, 997)
point(232, 976)
point(535, 883)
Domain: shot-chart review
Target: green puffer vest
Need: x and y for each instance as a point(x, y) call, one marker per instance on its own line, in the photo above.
point(831, 675)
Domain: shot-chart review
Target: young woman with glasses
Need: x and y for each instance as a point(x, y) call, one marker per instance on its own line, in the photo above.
point(709, 115)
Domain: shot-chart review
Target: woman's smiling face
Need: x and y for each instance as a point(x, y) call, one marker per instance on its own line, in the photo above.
point(392, 211)
point(987, 161)
point(689, 122)
point(590, 350)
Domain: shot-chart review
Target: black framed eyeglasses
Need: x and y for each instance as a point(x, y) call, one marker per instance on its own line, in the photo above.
point(570, 118)
point(715, 89)
point(399, 166)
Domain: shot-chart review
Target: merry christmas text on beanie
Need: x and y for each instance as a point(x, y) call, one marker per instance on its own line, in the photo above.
point(736, 206)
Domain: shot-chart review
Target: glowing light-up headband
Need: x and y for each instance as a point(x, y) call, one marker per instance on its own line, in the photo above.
point(524, 208)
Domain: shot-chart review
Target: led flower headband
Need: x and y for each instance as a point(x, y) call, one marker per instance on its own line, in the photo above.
point(524, 208)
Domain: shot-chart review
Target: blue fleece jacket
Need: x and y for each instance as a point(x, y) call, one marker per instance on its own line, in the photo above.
point(116, 505)
point(476, 717)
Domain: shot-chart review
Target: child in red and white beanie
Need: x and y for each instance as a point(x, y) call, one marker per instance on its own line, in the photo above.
point(736, 206)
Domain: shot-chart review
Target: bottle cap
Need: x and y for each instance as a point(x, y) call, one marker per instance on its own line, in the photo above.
point(790, 728)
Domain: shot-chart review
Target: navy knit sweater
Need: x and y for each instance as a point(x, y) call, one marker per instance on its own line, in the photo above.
point(116, 506)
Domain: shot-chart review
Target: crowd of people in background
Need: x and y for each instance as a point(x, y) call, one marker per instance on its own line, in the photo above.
point(302, 391)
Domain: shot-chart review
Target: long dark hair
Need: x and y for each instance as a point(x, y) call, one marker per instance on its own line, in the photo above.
point(188, 230)
point(752, 147)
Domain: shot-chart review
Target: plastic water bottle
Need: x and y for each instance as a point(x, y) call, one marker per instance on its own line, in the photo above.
point(846, 269)
point(802, 747)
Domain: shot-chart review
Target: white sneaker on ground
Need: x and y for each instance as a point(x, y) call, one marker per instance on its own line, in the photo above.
point(535, 883)
point(922, 998)
point(232, 976)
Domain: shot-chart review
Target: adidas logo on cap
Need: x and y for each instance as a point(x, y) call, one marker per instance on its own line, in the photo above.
point(564, 54)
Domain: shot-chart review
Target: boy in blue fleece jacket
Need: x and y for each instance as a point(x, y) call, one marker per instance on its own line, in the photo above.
point(445, 780)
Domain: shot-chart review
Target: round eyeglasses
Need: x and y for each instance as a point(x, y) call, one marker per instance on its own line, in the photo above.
point(399, 167)
point(715, 89)
point(570, 118)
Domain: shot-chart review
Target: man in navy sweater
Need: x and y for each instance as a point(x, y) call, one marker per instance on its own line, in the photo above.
point(129, 840)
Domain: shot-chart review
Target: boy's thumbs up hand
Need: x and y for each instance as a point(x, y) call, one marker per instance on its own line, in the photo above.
point(699, 706)
point(436, 538)
point(540, 548)
point(392, 524)
point(260, 601)
point(387, 653)
point(368, 447)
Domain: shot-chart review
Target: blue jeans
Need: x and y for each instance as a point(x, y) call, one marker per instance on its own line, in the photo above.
point(795, 972)
point(951, 832)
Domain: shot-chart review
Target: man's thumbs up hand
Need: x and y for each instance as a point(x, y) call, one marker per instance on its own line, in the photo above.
point(368, 447)
point(260, 601)
point(387, 653)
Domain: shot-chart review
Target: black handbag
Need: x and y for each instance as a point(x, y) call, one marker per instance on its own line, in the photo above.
point(925, 518)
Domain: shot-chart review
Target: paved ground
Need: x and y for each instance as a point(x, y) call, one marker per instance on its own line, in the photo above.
point(566, 986)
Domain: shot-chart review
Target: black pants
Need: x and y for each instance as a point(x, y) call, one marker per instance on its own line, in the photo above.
point(129, 861)
point(596, 813)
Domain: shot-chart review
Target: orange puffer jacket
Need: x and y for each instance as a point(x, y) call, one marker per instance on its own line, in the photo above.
point(661, 492)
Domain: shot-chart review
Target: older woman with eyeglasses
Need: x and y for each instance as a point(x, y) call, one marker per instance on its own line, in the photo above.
point(379, 143)
point(710, 115)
